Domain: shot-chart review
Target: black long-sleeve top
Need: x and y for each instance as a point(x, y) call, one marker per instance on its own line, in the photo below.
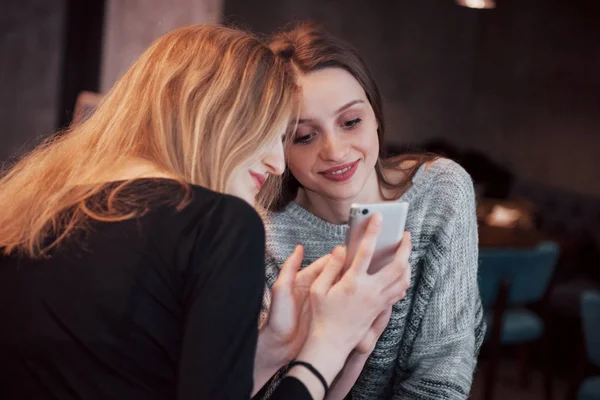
point(162, 306)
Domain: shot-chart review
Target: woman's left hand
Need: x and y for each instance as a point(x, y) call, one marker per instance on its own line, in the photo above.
point(288, 322)
point(289, 316)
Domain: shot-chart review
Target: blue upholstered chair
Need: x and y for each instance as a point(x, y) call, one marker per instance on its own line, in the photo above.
point(510, 279)
point(590, 311)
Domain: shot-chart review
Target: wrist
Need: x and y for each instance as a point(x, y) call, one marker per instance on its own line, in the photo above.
point(274, 353)
point(327, 357)
point(357, 360)
point(343, 383)
point(268, 359)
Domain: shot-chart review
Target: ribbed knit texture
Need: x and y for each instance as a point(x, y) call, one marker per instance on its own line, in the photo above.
point(429, 349)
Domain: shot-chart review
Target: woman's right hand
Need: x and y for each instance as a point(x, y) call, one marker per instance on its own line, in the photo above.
point(355, 363)
point(344, 308)
point(343, 311)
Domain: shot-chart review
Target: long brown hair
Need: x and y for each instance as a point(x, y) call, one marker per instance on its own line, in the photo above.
point(310, 47)
point(197, 103)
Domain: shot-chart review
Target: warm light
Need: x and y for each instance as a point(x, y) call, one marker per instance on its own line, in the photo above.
point(503, 217)
point(477, 3)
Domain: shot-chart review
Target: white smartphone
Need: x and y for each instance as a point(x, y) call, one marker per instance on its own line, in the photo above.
point(392, 228)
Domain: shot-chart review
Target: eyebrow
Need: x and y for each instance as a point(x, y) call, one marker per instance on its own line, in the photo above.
point(338, 111)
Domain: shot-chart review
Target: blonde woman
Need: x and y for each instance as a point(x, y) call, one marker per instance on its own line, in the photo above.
point(130, 265)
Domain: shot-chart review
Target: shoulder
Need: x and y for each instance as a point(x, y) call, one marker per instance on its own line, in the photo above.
point(446, 177)
point(218, 241)
point(174, 203)
point(216, 230)
point(222, 210)
point(443, 194)
point(206, 217)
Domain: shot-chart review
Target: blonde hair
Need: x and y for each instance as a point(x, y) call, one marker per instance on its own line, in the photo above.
point(198, 102)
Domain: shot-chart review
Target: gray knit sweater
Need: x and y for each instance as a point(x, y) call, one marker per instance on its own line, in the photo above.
point(430, 347)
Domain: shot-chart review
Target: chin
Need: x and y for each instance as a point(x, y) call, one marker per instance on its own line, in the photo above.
point(343, 194)
point(251, 199)
point(347, 192)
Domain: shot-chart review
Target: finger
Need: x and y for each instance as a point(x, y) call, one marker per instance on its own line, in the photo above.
point(395, 269)
point(381, 322)
point(365, 251)
point(331, 271)
point(405, 247)
point(397, 290)
point(367, 344)
point(290, 268)
point(307, 276)
point(401, 279)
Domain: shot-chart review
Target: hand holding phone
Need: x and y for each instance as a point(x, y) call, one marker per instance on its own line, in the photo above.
point(392, 228)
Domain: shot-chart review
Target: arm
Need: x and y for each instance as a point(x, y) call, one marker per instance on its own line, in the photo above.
point(285, 317)
point(347, 378)
point(222, 300)
point(264, 366)
point(444, 353)
point(355, 363)
point(224, 286)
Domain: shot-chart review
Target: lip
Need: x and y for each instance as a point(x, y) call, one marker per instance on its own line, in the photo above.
point(343, 177)
point(259, 179)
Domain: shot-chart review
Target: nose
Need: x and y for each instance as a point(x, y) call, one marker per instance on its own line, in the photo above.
point(274, 160)
point(334, 148)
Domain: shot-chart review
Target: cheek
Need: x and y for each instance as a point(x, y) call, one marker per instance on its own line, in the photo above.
point(300, 160)
point(234, 181)
point(374, 145)
point(368, 142)
point(293, 161)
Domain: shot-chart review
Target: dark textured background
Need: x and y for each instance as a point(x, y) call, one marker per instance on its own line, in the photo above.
point(520, 83)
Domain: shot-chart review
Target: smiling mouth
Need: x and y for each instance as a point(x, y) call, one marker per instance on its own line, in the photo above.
point(341, 173)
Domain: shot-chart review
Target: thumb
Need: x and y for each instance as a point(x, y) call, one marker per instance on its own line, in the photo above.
point(307, 276)
point(331, 272)
point(290, 267)
point(381, 322)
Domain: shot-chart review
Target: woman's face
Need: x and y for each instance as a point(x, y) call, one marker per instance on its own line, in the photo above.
point(335, 146)
point(247, 179)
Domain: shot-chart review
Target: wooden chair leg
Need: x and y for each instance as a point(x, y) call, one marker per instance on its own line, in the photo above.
point(524, 354)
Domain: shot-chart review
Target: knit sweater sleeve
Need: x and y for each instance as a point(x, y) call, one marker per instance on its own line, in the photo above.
point(450, 333)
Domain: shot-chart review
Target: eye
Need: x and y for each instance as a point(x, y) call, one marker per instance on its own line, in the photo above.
point(304, 139)
point(353, 123)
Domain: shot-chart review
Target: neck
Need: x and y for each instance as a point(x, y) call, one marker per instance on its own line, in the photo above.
point(337, 210)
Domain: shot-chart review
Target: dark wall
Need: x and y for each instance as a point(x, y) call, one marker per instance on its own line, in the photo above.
point(537, 104)
point(520, 82)
point(50, 51)
point(421, 53)
point(30, 62)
